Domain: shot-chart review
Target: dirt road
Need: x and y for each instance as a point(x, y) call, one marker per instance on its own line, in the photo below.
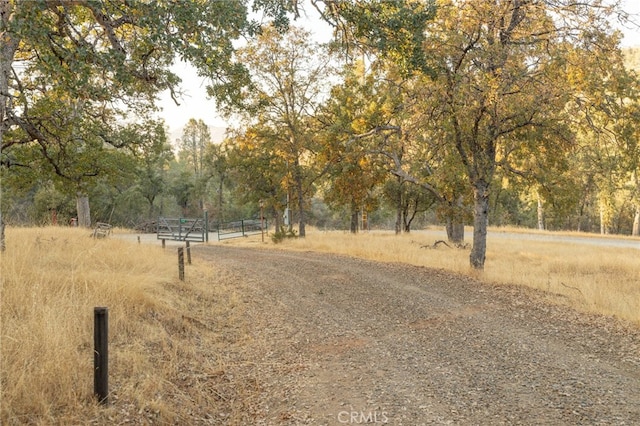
point(346, 341)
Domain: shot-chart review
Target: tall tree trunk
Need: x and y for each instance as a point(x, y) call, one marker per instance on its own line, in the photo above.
point(540, 213)
point(406, 226)
point(455, 231)
point(8, 48)
point(603, 221)
point(286, 217)
point(480, 224)
point(399, 206)
point(3, 245)
point(399, 214)
point(300, 191)
point(221, 200)
point(301, 216)
point(454, 223)
point(82, 207)
point(354, 218)
point(636, 219)
point(277, 220)
point(365, 220)
point(151, 207)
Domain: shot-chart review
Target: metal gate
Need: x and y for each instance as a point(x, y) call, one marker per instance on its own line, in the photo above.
point(183, 229)
point(240, 228)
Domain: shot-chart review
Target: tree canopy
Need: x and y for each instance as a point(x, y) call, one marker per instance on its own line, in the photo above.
point(513, 110)
point(72, 73)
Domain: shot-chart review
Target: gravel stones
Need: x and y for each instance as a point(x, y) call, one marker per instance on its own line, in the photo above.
point(338, 340)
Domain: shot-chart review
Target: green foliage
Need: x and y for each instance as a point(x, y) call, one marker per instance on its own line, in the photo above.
point(392, 29)
point(408, 199)
point(73, 71)
point(526, 103)
point(349, 157)
point(288, 81)
point(282, 234)
point(48, 201)
point(258, 171)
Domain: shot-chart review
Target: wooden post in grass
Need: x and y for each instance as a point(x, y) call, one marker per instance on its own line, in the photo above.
point(181, 263)
point(163, 243)
point(101, 354)
point(188, 252)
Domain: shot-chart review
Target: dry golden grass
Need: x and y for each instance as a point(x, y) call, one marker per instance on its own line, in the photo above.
point(601, 280)
point(159, 329)
point(180, 349)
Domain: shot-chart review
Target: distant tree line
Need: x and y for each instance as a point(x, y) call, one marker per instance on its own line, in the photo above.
point(454, 112)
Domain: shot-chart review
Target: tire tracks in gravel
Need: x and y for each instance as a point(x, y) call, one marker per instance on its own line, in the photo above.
point(348, 341)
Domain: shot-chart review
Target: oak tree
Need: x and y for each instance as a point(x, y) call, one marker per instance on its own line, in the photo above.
point(290, 74)
point(74, 69)
point(504, 70)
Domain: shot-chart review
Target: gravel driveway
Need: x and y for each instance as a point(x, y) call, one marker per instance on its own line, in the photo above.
point(339, 340)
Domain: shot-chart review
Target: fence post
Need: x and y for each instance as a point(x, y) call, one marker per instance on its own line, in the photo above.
point(188, 252)
point(181, 263)
point(206, 226)
point(101, 354)
point(163, 243)
point(242, 225)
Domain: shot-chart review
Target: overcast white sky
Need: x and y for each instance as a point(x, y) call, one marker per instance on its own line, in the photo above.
point(195, 104)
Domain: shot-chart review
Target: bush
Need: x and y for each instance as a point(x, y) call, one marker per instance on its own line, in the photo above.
point(282, 234)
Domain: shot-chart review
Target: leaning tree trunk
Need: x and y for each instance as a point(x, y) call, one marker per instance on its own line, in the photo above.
point(480, 224)
point(82, 207)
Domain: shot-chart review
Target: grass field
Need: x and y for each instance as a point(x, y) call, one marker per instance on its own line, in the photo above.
point(175, 344)
point(52, 278)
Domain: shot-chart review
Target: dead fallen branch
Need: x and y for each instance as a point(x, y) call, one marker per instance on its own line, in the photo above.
point(442, 242)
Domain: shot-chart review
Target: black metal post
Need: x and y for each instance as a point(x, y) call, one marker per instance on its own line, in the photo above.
point(101, 354)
